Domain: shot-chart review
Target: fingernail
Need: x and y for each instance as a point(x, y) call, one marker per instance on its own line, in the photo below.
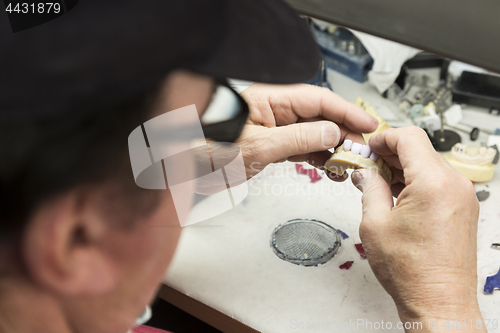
point(357, 180)
point(329, 135)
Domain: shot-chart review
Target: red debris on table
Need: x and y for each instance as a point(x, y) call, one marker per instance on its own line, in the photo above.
point(361, 251)
point(346, 265)
point(312, 173)
point(299, 168)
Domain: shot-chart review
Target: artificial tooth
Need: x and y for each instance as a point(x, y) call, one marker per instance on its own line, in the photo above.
point(356, 148)
point(473, 150)
point(373, 156)
point(365, 151)
point(347, 145)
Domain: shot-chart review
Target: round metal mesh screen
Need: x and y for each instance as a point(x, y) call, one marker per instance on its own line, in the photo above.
point(305, 242)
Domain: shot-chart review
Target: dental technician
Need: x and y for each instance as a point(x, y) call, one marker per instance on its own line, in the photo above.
point(78, 252)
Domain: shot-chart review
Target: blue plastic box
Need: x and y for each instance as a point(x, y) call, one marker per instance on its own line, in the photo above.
point(352, 61)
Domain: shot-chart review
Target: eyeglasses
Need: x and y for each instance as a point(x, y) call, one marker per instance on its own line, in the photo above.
point(170, 150)
point(225, 115)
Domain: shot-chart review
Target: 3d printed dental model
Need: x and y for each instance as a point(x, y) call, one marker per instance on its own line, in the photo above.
point(354, 155)
point(475, 163)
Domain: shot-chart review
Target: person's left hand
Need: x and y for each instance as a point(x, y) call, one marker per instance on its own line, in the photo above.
point(298, 123)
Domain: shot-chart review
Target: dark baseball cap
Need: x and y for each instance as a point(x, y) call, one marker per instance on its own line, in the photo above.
point(102, 53)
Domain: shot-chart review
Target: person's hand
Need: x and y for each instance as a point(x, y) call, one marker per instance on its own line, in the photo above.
point(422, 249)
point(298, 123)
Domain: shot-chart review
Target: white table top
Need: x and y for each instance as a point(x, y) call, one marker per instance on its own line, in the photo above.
point(227, 262)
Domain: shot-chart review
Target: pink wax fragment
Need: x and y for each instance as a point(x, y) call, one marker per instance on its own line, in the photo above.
point(313, 175)
point(346, 265)
point(361, 251)
point(299, 168)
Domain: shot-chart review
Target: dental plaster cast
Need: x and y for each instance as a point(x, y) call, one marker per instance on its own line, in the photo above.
point(475, 163)
point(354, 155)
point(473, 154)
point(382, 124)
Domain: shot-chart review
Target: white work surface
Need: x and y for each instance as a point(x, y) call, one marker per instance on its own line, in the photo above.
point(227, 262)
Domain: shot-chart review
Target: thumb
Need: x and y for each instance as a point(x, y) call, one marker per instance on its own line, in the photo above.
point(304, 138)
point(377, 197)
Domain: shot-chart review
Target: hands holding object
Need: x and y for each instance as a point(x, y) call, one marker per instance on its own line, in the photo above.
point(418, 247)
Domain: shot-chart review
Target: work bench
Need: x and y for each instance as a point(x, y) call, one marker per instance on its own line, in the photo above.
point(225, 272)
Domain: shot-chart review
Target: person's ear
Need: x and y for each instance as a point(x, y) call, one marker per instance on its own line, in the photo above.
point(63, 248)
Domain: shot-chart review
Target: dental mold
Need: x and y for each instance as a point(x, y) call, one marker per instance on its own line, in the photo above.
point(474, 162)
point(352, 155)
point(473, 154)
point(382, 124)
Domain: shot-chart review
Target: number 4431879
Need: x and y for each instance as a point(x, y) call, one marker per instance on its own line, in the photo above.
point(34, 8)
